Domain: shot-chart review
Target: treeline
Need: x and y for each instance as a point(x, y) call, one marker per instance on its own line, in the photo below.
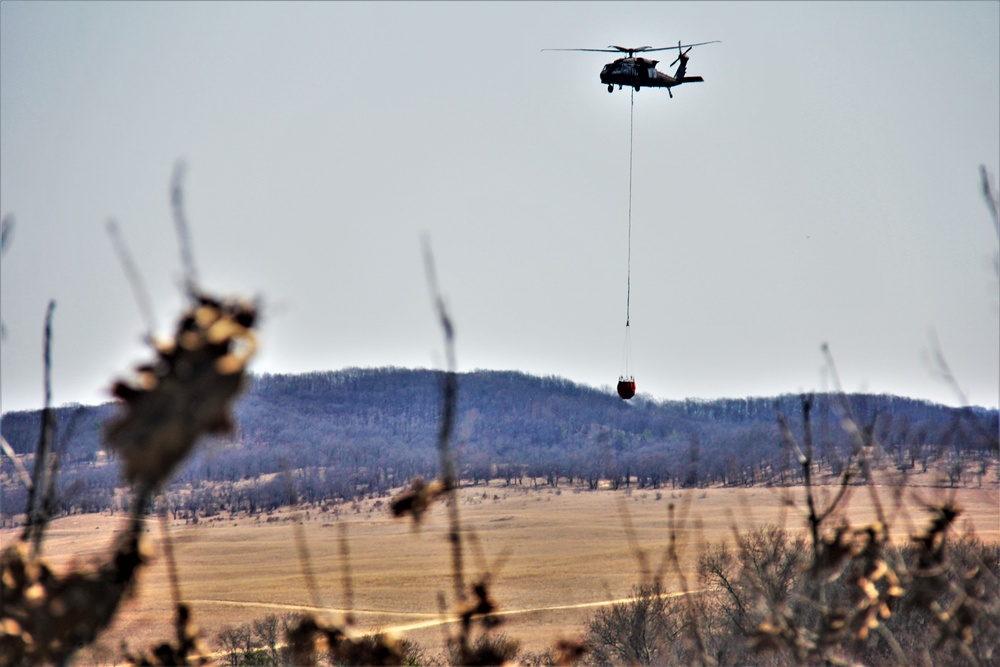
point(330, 436)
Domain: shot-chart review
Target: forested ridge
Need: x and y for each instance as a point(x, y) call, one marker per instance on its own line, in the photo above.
point(337, 435)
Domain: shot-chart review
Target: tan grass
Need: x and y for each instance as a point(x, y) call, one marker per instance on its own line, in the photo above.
point(565, 548)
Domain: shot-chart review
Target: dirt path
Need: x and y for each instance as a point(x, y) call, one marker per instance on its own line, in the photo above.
point(310, 608)
point(514, 612)
point(430, 619)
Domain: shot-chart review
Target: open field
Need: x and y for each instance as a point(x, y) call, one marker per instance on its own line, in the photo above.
point(553, 555)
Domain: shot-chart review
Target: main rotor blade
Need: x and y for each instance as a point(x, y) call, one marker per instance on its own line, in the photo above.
point(625, 49)
point(598, 50)
point(639, 49)
point(683, 46)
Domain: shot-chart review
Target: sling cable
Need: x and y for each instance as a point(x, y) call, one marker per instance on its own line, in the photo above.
point(626, 381)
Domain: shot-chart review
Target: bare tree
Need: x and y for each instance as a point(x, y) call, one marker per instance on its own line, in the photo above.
point(267, 632)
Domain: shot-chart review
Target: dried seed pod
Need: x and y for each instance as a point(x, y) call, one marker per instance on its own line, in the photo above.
point(771, 635)
point(187, 651)
point(307, 636)
point(482, 606)
point(568, 652)
point(833, 551)
point(302, 636)
point(833, 624)
point(186, 392)
point(377, 649)
point(415, 500)
point(929, 576)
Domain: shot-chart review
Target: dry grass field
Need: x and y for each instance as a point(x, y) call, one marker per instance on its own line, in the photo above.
point(552, 555)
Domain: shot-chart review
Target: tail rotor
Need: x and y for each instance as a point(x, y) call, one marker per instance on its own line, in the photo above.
point(682, 56)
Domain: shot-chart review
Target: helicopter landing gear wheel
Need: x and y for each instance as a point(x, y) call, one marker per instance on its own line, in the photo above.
point(611, 87)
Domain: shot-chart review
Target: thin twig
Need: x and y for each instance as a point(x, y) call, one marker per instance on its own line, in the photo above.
point(842, 488)
point(22, 472)
point(991, 197)
point(488, 569)
point(941, 367)
point(889, 639)
point(6, 230)
point(863, 437)
point(345, 572)
point(633, 540)
point(675, 560)
point(168, 552)
point(449, 409)
point(47, 503)
point(670, 553)
point(444, 620)
point(301, 546)
point(139, 291)
point(305, 562)
point(805, 459)
point(839, 389)
point(183, 230)
point(34, 528)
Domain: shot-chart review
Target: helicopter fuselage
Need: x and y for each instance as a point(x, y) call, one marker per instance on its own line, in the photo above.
point(640, 72)
point(634, 72)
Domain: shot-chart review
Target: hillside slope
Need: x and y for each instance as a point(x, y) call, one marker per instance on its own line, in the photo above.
point(358, 431)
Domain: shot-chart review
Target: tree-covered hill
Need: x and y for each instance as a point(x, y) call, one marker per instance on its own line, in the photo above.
point(358, 431)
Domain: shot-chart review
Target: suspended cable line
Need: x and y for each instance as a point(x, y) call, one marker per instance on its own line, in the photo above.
point(626, 383)
point(628, 292)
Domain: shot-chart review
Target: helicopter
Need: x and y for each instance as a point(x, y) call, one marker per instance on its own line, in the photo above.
point(640, 72)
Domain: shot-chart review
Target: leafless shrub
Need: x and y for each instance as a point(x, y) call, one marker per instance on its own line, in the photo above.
point(840, 594)
point(646, 630)
point(858, 596)
point(186, 392)
point(487, 649)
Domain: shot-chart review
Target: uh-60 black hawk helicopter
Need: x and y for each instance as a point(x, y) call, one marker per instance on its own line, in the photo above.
point(639, 72)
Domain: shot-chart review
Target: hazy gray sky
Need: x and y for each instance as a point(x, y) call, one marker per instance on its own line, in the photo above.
point(822, 185)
